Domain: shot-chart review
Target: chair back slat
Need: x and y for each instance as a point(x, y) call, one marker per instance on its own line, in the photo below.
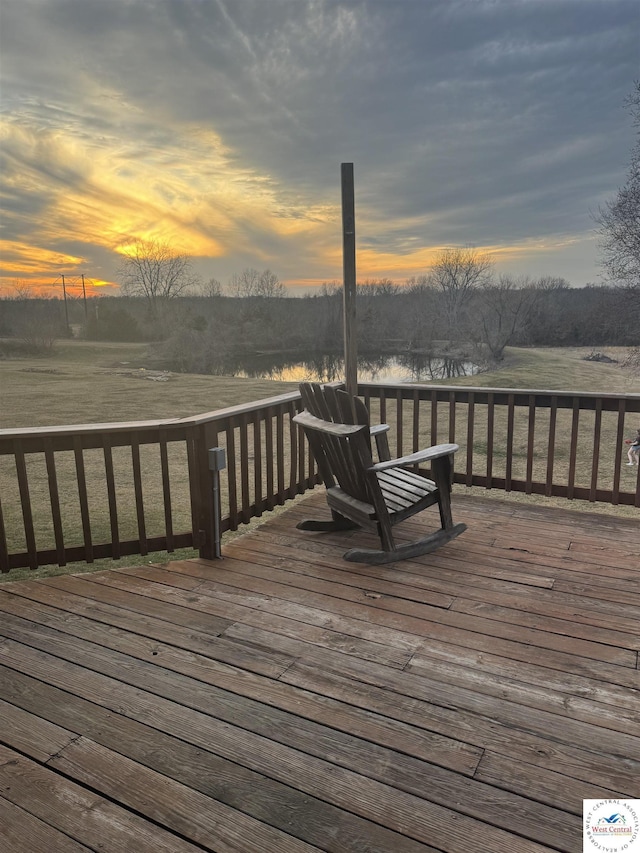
point(343, 450)
point(333, 404)
point(314, 400)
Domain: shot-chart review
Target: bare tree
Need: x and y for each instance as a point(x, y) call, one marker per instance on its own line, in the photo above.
point(377, 287)
point(456, 274)
point(551, 283)
point(22, 291)
point(250, 282)
point(329, 289)
point(39, 325)
point(245, 283)
point(619, 220)
point(503, 310)
point(416, 284)
point(270, 286)
point(212, 288)
point(154, 270)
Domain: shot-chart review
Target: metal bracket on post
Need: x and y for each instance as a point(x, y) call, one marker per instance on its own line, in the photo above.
point(217, 463)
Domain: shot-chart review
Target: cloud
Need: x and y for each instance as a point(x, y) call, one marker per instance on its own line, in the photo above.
point(219, 125)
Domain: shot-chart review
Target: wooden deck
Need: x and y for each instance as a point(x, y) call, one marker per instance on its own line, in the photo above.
point(284, 700)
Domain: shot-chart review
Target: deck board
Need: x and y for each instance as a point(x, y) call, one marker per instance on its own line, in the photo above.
point(284, 700)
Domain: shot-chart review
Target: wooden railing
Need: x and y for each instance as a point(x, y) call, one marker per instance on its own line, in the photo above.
point(79, 493)
point(537, 442)
point(110, 490)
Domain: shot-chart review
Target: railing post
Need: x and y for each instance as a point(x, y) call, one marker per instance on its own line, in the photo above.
point(217, 463)
point(207, 514)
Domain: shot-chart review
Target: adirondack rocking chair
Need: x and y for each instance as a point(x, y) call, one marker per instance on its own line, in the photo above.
point(376, 496)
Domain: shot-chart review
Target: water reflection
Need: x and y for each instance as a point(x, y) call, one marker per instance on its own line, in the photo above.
point(408, 367)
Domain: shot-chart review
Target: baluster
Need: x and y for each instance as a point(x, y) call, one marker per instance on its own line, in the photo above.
point(452, 417)
point(619, 457)
point(111, 494)
point(137, 488)
point(399, 423)
point(195, 475)
point(553, 411)
point(83, 498)
point(231, 473)
point(166, 489)
point(268, 426)
point(280, 454)
point(302, 480)
point(597, 429)
point(511, 410)
point(244, 470)
point(530, 443)
point(416, 422)
point(470, 425)
point(4, 551)
point(490, 434)
point(25, 502)
point(434, 417)
point(573, 449)
point(383, 406)
point(257, 463)
point(54, 497)
point(293, 451)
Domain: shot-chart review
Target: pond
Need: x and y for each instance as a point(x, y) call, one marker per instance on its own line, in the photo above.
point(407, 367)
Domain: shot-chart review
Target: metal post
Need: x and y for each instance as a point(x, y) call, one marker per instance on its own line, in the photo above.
point(84, 296)
point(66, 310)
point(349, 271)
point(217, 463)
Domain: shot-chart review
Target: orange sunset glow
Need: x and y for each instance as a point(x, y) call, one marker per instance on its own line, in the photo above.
point(222, 135)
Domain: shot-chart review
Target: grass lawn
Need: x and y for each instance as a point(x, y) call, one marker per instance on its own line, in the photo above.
point(561, 369)
point(84, 382)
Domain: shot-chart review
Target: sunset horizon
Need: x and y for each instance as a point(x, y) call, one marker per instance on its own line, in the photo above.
point(219, 129)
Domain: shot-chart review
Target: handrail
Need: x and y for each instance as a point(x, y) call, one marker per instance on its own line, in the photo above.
point(84, 491)
point(74, 429)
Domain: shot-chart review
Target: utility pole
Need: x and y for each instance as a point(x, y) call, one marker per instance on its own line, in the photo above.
point(349, 272)
point(84, 295)
point(66, 309)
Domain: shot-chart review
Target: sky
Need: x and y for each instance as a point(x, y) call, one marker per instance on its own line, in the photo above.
point(219, 127)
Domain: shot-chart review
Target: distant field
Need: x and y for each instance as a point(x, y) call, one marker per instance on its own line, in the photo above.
point(562, 369)
point(98, 382)
point(86, 382)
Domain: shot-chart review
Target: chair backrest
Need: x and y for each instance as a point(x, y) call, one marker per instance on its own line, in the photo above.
point(333, 404)
point(342, 452)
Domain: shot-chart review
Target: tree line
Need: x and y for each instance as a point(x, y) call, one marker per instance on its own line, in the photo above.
point(459, 306)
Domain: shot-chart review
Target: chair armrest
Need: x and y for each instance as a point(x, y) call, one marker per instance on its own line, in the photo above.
point(379, 433)
point(378, 429)
point(434, 452)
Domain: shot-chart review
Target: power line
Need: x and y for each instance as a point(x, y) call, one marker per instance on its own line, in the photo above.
point(78, 281)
